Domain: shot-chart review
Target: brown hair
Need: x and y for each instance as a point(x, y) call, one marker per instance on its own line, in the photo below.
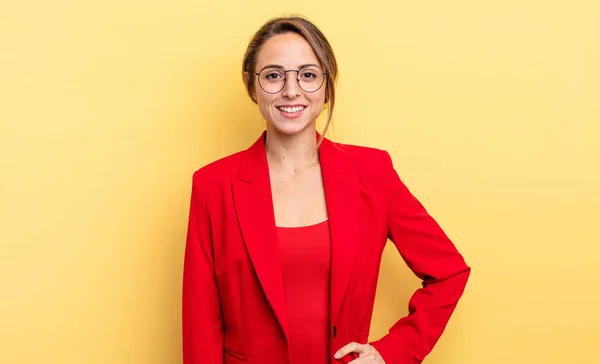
point(315, 39)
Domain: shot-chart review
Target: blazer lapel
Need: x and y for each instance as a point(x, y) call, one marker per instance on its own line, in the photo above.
point(254, 208)
point(341, 193)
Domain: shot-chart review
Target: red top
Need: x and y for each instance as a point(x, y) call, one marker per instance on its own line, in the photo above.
point(306, 263)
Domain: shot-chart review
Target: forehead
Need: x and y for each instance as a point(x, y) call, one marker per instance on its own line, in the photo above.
point(289, 50)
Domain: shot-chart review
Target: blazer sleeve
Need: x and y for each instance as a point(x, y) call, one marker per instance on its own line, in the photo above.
point(201, 312)
point(431, 256)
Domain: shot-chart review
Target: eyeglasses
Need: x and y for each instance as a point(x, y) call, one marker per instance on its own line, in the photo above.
point(272, 79)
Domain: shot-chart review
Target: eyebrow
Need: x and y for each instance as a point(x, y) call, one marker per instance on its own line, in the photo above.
point(281, 67)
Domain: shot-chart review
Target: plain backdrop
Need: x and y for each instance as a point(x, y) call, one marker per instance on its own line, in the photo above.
point(490, 111)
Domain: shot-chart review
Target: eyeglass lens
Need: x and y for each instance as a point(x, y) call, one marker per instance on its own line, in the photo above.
point(272, 80)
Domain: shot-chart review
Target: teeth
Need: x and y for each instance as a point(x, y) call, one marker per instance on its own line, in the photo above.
point(291, 109)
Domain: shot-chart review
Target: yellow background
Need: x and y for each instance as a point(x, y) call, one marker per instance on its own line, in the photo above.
point(490, 111)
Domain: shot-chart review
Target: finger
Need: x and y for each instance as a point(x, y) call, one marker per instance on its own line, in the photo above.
point(352, 347)
point(367, 350)
point(366, 359)
point(346, 349)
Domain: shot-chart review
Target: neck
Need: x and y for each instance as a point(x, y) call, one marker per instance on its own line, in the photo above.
point(291, 152)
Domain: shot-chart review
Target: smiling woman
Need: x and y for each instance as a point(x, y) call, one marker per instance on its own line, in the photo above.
point(284, 98)
point(294, 45)
point(285, 239)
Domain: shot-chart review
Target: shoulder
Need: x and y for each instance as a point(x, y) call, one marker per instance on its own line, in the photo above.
point(218, 171)
point(373, 169)
point(366, 159)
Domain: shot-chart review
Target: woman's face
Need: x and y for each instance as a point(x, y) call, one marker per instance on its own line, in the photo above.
point(291, 110)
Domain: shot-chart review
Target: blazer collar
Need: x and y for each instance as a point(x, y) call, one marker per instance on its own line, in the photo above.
point(254, 168)
point(254, 208)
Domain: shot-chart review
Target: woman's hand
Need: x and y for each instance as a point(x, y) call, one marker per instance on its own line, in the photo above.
point(367, 354)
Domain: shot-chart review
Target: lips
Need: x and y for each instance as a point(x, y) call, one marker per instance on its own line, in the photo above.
point(291, 108)
point(291, 111)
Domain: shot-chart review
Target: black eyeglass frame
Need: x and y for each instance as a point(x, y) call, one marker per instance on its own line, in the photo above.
point(285, 81)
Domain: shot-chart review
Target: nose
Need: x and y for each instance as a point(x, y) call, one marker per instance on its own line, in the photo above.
point(291, 89)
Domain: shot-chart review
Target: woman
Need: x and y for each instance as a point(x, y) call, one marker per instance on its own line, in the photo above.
point(285, 238)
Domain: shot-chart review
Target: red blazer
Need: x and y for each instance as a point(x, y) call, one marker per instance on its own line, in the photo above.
point(233, 297)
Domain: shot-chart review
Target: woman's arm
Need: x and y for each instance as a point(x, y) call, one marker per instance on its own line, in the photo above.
point(201, 311)
point(431, 255)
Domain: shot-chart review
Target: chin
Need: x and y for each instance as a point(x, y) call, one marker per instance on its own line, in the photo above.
point(288, 127)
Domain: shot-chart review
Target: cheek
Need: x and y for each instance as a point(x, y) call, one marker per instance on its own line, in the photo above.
point(317, 99)
point(264, 104)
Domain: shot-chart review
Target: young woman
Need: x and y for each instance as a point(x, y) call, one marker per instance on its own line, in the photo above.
point(285, 238)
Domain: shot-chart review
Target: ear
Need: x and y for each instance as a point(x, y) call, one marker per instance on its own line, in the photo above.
point(246, 82)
